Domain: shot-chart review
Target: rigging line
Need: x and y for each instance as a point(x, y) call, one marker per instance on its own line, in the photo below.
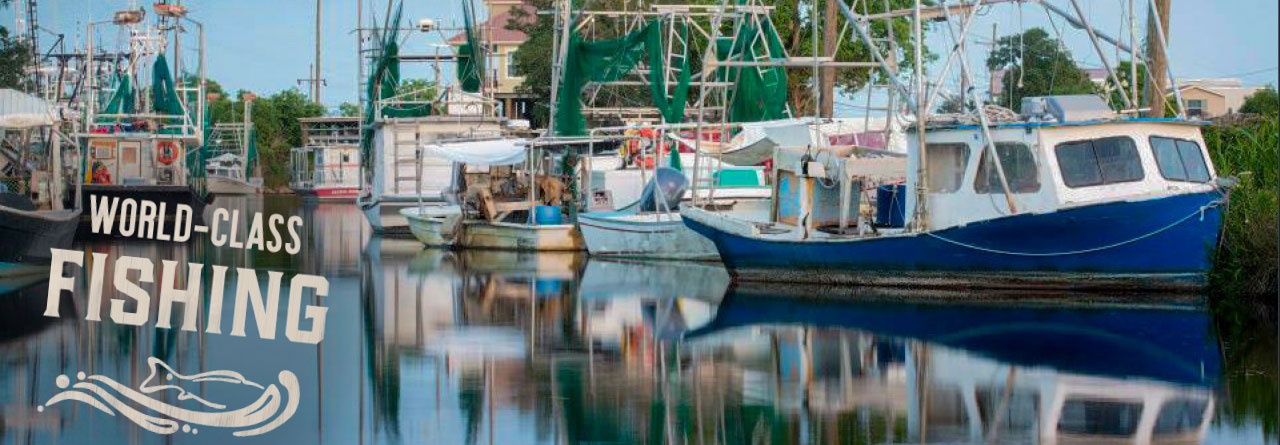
point(1200, 211)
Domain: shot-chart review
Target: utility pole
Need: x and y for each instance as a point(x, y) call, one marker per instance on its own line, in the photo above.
point(318, 79)
point(828, 79)
point(1156, 55)
point(314, 79)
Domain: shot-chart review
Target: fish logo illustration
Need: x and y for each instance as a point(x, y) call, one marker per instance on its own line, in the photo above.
point(270, 410)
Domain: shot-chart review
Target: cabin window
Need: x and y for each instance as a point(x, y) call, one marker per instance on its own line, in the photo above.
point(1019, 170)
point(1179, 159)
point(1099, 162)
point(947, 163)
point(1100, 417)
point(1180, 416)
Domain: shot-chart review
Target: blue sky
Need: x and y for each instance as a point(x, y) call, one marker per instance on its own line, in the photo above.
point(266, 45)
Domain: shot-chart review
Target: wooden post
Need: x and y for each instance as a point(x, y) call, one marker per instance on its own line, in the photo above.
point(1156, 85)
point(830, 32)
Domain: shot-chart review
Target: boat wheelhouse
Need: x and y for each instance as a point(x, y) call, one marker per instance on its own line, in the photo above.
point(1092, 201)
point(232, 160)
point(147, 145)
point(398, 175)
point(327, 166)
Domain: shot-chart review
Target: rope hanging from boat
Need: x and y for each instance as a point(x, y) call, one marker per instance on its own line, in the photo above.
point(1200, 211)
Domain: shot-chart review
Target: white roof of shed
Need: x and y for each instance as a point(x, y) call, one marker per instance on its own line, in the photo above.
point(21, 110)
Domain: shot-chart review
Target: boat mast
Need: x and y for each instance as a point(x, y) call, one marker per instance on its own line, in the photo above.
point(922, 117)
point(560, 52)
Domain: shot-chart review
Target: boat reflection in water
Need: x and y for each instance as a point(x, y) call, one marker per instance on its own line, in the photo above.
point(480, 347)
point(543, 348)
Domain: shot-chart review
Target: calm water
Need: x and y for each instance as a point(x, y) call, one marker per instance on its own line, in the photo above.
point(426, 346)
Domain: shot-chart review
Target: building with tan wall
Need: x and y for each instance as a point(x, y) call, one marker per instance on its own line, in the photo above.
point(502, 74)
point(1209, 98)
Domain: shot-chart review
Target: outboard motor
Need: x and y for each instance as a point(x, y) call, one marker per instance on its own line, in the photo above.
point(671, 183)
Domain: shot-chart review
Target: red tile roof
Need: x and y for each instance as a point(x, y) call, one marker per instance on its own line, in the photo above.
point(496, 29)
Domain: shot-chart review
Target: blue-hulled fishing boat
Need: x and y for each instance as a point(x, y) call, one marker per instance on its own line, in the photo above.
point(1081, 198)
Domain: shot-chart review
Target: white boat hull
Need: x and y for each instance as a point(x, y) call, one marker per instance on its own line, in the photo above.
point(650, 235)
point(517, 236)
point(434, 226)
point(228, 186)
point(385, 217)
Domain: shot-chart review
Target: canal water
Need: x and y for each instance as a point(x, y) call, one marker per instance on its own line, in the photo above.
point(487, 347)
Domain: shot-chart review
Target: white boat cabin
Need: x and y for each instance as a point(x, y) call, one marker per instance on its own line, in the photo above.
point(325, 167)
point(1050, 167)
point(1055, 160)
point(401, 172)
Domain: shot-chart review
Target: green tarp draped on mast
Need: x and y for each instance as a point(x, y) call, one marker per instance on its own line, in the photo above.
point(164, 92)
point(122, 99)
point(608, 60)
point(760, 93)
point(383, 82)
point(470, 64)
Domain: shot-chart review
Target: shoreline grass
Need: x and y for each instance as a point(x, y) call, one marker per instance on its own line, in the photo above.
point(1245, 261)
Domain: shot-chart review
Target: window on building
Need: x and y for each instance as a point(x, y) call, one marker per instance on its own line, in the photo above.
point(1020, 170)
point(1195, 107)
point(512, 70)
point(1179, 160)
point(1099, 162)
point(947, 163)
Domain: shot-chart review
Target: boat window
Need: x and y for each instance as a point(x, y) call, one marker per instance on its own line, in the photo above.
point(1020, 170)
point(1099, 417)
point(1099, 161)
point(1179, 159)
point(1180, 416)
point(947, 163)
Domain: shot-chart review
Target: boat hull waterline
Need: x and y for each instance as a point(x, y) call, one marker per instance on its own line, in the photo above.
point(1156, 243)
point(434, 226)
point(328, 193)
point(516, 236)
point(650, 235)
point(231, 186)
point(28, 236)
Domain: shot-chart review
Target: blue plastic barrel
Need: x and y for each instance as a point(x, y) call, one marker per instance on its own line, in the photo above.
point(547, 215)
point(891, 202)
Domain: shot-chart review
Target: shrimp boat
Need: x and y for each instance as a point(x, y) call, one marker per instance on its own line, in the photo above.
point(327, 166)
point(232, 157)
point(652, 228)
point(518, 196)
point(399, 119)
point(1080, 198)
point(147, 149)
point(33, 174)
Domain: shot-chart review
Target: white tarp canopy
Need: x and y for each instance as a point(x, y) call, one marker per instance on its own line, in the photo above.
point(21, 110)
point(491, 152)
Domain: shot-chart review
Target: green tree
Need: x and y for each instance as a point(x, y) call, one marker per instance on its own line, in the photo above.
point(348, 109)
point(418, 90)
point(1264, 102)
point(15, 55)
point(276, 130)
point(1036, 65)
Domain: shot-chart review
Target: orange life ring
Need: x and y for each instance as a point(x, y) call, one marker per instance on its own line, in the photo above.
point(167, 153)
